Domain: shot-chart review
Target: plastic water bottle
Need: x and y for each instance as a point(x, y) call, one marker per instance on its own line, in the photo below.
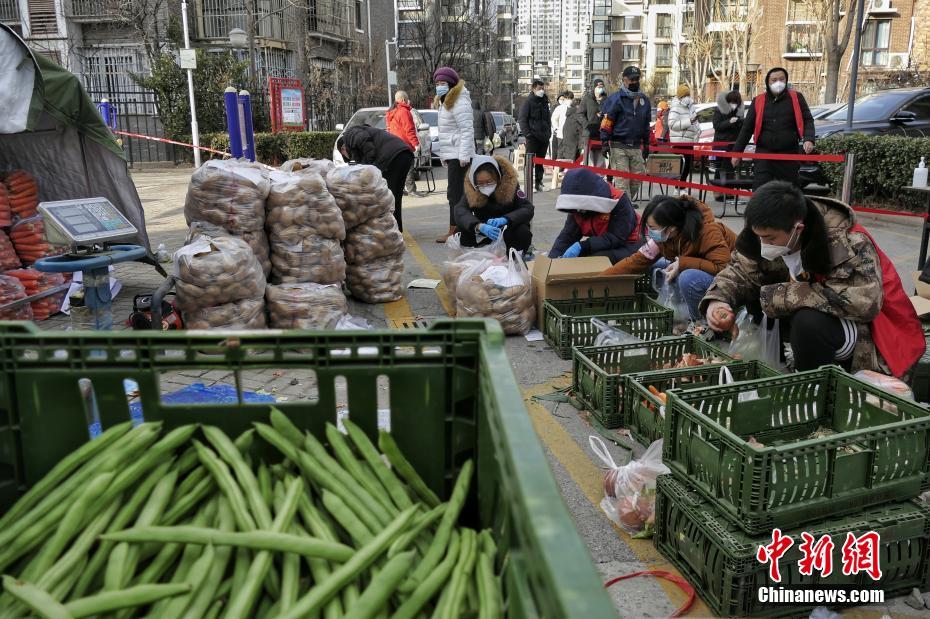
point(920, 174)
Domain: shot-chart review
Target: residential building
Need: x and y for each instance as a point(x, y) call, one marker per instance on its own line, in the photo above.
point(506, 41)
point(540, 20)
point(666, 28)
point(524, 64)
point(573, 62)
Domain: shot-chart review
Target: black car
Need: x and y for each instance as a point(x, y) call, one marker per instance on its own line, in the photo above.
point(506, 127)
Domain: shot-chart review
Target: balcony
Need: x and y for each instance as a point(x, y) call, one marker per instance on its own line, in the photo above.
point(84, 10)
point(9, 11)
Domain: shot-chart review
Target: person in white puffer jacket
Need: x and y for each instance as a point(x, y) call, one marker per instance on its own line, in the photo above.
point(683, 125)
point(456, 135)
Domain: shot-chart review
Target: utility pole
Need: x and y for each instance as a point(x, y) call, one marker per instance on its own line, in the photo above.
point(195, 129)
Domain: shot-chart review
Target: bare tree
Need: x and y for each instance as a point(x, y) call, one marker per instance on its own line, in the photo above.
point(834, 20)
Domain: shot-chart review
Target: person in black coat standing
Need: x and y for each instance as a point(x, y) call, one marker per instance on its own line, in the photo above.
point(573, 132)
point(493, 202)
point(778, 120)
point(592, 112)
point(385, 151)
point(536, 127)
point(727, 121)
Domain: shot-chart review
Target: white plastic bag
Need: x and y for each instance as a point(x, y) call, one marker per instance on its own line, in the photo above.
point(630, 490)
point(502, 291)
point(888, 383)
point(670, 297)
point(611, 336)
point(757, 342)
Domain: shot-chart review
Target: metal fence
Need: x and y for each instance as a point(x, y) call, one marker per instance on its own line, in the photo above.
point(137, 112)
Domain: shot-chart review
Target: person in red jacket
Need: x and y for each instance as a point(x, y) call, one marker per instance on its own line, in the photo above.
point(400, 122)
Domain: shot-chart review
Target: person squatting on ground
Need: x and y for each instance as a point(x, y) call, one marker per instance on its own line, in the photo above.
point(625, 126)
point(400, 122)
point(684, 240)
point(456, 135)
point(777, 120)
point(387, 152)
point(806, 262)
point(536, 127)
point(493, 201)
point(600, 222)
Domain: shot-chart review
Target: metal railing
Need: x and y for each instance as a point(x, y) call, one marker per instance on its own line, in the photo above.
point(92, 8)
point(9, 10)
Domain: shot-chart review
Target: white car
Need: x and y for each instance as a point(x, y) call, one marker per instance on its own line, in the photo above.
point(431, 118)
point(374, 117)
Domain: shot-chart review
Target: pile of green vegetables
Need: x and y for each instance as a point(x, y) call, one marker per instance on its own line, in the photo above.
point(192, 524)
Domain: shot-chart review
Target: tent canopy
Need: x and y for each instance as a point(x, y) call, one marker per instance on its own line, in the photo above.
point(50, 128)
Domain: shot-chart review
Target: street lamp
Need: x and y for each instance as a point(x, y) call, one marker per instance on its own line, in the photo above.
point(387, 64)
point(239, 40)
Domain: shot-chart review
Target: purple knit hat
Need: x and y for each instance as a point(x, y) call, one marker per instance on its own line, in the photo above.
point(446, 74)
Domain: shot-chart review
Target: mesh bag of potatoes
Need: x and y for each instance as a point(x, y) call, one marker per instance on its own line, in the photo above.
point(378, 281)
point(244, 314)
point(230, 194)
point(498, 289)
point(216, 271)
point(303, 200)
point(256, 239)
point(304, 165)
point(298, 256)
point(376, 238)
point(305, 306)
point(361, 192)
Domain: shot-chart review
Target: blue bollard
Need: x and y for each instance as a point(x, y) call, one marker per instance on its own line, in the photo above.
point(232, 122)
point(248, 133)
point(108, 113)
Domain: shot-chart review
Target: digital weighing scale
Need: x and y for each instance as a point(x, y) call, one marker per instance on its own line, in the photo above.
point(91, 228)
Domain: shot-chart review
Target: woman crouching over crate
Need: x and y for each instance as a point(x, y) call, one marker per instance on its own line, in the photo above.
point(807, 263)
point(684, 240)
point(494, 202)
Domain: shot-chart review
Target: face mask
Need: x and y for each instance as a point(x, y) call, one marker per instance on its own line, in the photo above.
point(777, 87)
point(774, 252)
point(487, 189)
point(598, 91)
point(633, 87)
point(540, 93)
point(686, 101)
point(442, 90)
point(659, 236)
point(733, 107)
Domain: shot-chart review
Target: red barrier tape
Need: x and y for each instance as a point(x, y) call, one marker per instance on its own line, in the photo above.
point(735, 155)
point(881, 211)
point(167, 141)
point(643, 177)
point(683, 584)
point(599, 143)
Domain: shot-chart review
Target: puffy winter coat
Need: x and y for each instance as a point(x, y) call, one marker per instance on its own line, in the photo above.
point(373, 146)
point(605, 229)
point(592, 113)
point(400, 122)
point(535, 118)
point(680, 127)
point(507, 201)
point(573, 132)
point(626, 117)
point(456, 125)
point(725, 128)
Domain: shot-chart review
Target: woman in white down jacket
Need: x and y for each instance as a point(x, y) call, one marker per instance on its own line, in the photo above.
point(683, 125)
point(456, 135)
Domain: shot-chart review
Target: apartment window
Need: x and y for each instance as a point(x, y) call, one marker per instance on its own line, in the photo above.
point(602, 7)
point(663, 2)
point(576, 44)
point(664, 56)
point(575, 73)
point(601, 33)
point(804, 39)
point(42, 17)
point(875, 40)
point(664, 25)
point(600, 59)
point(687, 21)
point(630, 52)
point(359, 22)
point(660, 83)
point(627, 23)
point(801, 11)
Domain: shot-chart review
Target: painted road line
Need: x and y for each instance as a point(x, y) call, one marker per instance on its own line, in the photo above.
point(590, 479)
point(430, 272)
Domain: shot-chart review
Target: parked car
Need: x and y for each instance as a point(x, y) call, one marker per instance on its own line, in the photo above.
point(431, 118)
point(822, 111)
point(374, 117)
point(506, 128)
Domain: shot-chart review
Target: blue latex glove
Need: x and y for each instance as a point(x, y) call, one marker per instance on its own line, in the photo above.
point(498, 222)
point(489, 231)
point(573, 252)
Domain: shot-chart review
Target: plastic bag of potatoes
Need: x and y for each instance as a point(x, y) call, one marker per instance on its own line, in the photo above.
point(303, 200)
point(378, 281)
point(305, 306)
point(244, 314)
point(499, 290)
point(256, 239)
point(311, 258)
point(211, 272)
point(376, 238)
point(462, 258)
point(361, 192)
point(230, 194)
point(304, 165)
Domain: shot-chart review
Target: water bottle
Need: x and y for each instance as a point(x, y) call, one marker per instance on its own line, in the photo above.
point(920, 174)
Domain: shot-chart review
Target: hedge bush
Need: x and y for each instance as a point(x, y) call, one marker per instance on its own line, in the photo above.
point(276, 148)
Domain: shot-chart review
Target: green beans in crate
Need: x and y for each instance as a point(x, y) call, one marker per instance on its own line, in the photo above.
point(644, 412)
point(597, 371)
point(779, 452)
point(567, 323)
point(719, 560)
point(449, 392)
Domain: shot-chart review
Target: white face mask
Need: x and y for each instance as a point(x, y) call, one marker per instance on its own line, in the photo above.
point(487, 189)
point(686, 101)
point(777, 87)
point(733, 107)
point(774, 252)
point(598, 91)
point(540, 93)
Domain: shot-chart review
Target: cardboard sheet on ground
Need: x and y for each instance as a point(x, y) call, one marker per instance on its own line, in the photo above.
point(424, 283)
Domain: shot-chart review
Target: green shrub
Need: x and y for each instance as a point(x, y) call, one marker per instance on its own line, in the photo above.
point(314, 144)
point(275, 148)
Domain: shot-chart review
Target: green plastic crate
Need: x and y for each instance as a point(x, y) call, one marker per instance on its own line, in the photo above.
point(720, 562)
point(597, 371)
point(643, 285)
point(920, 375)
point(450, 391)
point(643, 413)
point(567, 323)
point(880, 451)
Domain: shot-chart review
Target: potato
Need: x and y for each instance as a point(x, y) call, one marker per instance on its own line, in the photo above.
point(305, 306)
point(215, 272)
point(489, 289)
point(307, 259)
point(376, 238)
point(361, 192)
point(378, 281)
point(303, 200)
point(244, 314)
point(230, 194)
point(304, 165)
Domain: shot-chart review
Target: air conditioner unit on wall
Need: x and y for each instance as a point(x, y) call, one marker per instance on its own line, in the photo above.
point(881, 6)
point(898, 61)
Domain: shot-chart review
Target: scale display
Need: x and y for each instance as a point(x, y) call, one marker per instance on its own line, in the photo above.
point(85, 221)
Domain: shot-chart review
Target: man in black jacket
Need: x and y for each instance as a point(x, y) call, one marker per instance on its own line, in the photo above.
point(536, 126)
point(592, 111)
point(777, 120)
point(385, 151)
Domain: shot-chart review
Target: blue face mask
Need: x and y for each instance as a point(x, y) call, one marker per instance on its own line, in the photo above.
point(659, 236)
point(442, 90)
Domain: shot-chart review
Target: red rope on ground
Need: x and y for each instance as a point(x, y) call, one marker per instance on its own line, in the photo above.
point(167, 141)
point(683, 584)
point(881, 211)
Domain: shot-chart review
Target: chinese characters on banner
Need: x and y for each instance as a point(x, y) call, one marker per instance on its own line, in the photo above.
point(859, 554)
point(287, 104)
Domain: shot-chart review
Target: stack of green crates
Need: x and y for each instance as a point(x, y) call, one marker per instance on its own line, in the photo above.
point(817, 451)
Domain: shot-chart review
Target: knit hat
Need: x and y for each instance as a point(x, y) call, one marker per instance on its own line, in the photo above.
point(446, 74)
point(583, 190)
point(597, 81)
point(683, 91)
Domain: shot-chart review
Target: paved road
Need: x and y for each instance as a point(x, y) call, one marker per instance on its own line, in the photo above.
point(563, 430)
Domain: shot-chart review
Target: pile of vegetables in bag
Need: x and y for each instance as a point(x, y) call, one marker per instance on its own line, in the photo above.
point(189, 523)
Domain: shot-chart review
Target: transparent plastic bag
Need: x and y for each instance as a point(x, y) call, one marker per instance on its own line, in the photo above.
point(12, 289)
point(378, 281)
point(216, 272)
point(349, 322)
point(454, 246)
point(502, 291)
point(630, 490)
point(230, 194)
point(757, 342)
point(244, 314)
point(256, 239)
point(376, 238)
point(361, 193)
point(670, 297)
point(30, 241)
point(304, 165)
point(302, 257)
point(8, 258)
point(463, 258)
point(305, 306)
point(888, 383)
point(303, 200)
point(611, 336)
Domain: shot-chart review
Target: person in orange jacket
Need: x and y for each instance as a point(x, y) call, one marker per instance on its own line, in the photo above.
point(658, 130)
point(400, 122)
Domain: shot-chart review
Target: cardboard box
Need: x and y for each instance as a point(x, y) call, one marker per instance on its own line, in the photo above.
point(567, 278)
point(922, 299)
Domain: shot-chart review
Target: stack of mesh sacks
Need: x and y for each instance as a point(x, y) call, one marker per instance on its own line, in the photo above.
point(230, 196)
point(374, 247)
point(305, 232)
